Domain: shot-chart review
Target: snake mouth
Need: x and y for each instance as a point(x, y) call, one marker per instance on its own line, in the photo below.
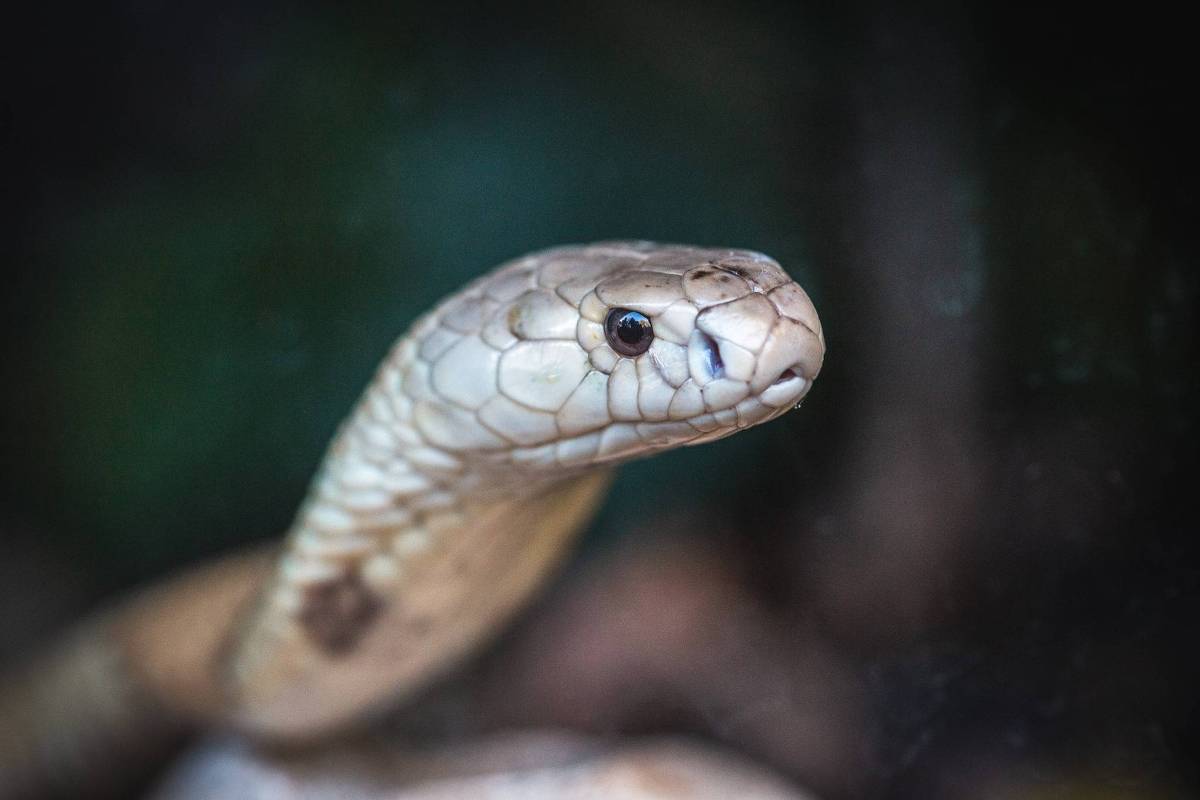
point(785, 376)
point(789, 387)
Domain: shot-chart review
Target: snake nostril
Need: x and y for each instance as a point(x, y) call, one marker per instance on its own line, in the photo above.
point(712, 356)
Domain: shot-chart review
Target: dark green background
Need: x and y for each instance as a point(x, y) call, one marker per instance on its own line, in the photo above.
point(221, 214)
point(242, 209)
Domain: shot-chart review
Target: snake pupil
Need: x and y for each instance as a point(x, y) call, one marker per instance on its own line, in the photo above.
point(628, 332)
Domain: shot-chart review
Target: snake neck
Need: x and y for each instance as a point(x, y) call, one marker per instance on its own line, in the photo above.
point(386, 492)
point(401, 557)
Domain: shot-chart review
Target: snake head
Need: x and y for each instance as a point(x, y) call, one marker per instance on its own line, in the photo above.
point(578, 356)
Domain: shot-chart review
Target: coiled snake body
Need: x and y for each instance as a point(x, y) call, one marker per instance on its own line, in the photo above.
point(484, 441)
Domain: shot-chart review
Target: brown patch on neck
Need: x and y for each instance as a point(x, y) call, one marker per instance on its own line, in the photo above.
point(336, 614)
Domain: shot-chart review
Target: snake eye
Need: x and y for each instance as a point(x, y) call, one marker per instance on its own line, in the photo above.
point(628, 332)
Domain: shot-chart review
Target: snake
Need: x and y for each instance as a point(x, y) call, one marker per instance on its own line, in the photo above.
point(484, 443)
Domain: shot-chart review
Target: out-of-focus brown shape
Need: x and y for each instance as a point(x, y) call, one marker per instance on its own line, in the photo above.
point(663, 632)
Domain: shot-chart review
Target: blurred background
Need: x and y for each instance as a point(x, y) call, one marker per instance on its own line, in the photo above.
point(968, 567)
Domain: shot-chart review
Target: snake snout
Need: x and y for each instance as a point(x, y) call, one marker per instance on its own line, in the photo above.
point(793, 351)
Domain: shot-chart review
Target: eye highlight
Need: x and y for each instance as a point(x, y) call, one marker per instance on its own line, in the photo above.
point(628, 332)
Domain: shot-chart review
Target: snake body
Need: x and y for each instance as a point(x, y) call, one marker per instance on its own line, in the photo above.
point(484, 441)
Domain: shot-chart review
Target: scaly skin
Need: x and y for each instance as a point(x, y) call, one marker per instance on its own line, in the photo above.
point(483, 443)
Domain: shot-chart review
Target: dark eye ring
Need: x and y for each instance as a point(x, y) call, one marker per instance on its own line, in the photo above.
point(628, 332)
